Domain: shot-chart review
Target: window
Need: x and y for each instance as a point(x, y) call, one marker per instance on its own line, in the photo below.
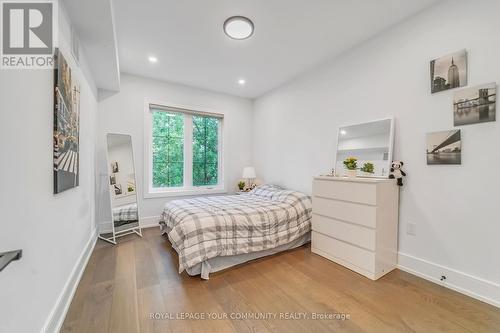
point(168, 149)
point(184, 153)
point(205, 150)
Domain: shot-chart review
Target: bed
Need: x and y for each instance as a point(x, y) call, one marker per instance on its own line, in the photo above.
point(214, 233)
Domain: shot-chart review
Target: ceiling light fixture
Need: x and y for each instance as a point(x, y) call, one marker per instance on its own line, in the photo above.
point(343, 132)
point(153, 59)
point(242, 82)
point(238, 27)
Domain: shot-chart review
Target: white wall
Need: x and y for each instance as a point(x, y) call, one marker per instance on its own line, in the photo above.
point(124, 113)
point(455, 207)
point(52, 230)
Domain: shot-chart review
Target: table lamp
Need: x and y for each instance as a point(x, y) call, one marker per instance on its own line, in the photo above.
point(249, 174)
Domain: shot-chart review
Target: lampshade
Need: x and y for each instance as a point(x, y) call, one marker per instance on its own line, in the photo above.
point(249, 173)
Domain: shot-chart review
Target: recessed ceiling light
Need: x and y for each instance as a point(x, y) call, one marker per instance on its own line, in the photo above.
point(238, 27)
point(242, 82)
point(153, 59)
point(343, 132)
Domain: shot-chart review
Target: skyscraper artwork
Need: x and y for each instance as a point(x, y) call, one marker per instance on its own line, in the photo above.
point(449, 72)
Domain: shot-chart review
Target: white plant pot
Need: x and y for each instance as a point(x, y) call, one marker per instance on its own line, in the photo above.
point(352, 173)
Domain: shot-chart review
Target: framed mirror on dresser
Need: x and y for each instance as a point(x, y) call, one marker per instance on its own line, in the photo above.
point(370, 142)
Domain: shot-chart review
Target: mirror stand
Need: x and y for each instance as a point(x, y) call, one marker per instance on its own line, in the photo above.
point(121, 183)
point(115, 235)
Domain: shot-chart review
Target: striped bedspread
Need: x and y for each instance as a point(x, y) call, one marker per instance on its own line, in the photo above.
point(208, 227)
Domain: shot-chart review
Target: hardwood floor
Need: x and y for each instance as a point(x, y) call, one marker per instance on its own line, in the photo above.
point(122, 285)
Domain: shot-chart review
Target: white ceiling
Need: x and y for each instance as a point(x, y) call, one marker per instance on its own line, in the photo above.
point(291, 36)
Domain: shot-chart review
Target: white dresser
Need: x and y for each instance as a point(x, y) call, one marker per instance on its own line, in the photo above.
point(355, 223)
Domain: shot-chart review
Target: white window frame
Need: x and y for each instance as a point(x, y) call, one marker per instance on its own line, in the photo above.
point(188, 188)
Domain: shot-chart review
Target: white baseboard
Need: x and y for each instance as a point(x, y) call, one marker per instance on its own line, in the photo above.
point(478, 288)
point(104, 227)
point(150, 221)
point(58, 313)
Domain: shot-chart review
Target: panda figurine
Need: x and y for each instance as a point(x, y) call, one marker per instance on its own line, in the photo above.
point(396, 172)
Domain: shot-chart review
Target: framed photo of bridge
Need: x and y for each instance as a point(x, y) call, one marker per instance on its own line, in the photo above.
point(475, 105)
point(444, 147)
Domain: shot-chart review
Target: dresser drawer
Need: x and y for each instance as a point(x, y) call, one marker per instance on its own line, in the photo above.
point(346, 190)
point(346, 253)
point(351, 233)
point(346, 211)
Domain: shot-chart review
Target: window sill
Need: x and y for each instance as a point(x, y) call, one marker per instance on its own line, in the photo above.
point(165, 193)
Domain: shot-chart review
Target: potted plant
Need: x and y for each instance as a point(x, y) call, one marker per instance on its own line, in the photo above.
point(351, 164)
point(368, 168)
point(241, 185)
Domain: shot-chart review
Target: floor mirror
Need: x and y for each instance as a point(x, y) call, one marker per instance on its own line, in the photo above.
point(122, 188)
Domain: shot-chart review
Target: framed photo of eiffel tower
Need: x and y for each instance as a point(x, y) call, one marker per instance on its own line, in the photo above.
point(449, 71)
point(66, 126)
